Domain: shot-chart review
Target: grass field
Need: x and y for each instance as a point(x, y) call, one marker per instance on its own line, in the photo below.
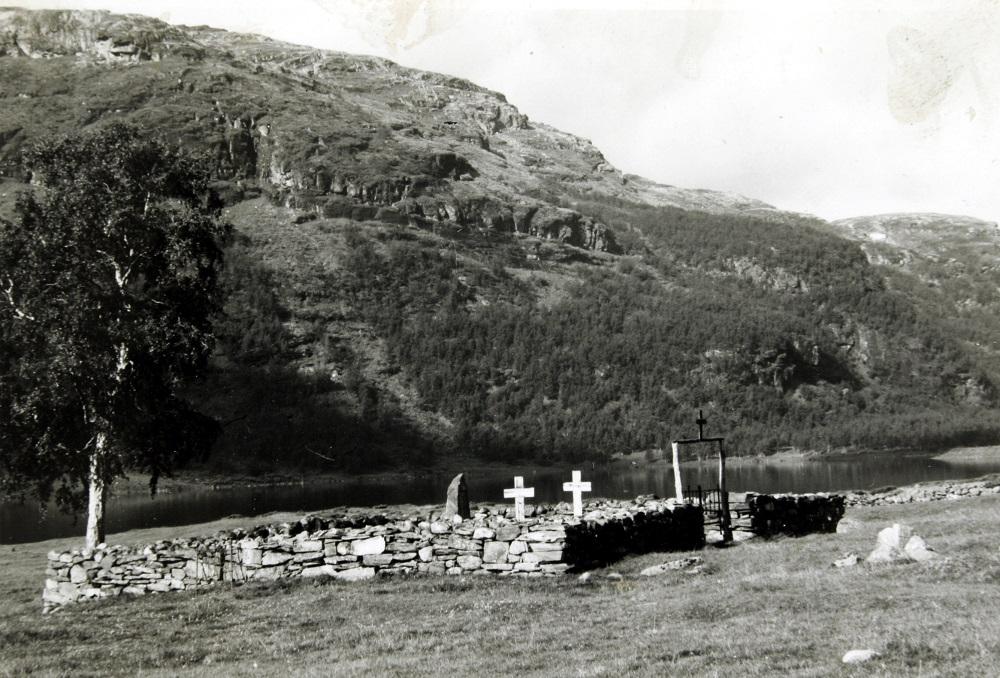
point(761, 608)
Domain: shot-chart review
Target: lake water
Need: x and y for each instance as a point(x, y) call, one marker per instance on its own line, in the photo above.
point(24, 523)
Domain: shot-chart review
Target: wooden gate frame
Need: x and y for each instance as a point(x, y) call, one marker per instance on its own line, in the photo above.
point(726, 522)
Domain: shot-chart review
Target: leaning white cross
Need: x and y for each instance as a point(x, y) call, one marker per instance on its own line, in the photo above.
point(577, 487)
point(518, 493)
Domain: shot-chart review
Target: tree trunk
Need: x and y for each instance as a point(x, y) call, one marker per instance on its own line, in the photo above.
point(96, 496)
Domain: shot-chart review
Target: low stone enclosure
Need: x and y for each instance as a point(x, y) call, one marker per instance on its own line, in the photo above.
point(551, 541)
point(548, 542)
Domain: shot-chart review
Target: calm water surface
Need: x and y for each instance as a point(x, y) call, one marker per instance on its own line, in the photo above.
point(24, 523)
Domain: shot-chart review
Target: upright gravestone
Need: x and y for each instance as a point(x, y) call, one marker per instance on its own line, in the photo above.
point(457, 503)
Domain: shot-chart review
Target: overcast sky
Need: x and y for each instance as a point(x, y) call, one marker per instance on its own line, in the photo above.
point(838, 109)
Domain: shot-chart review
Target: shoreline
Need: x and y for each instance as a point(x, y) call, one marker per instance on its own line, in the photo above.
point(973, 454)
point(922, 492)
point(185, 480)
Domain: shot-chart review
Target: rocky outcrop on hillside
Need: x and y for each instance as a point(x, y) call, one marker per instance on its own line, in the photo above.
point(920, 233)
point(338, 134)
point(356, 137)
point(97, 35)
point(776, 278)
point(934, 247)
point(953, 263)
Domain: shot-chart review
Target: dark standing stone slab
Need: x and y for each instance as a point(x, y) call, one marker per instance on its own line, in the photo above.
point(457, 503)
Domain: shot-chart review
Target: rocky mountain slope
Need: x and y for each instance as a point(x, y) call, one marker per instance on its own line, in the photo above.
point(338, 134)
point(419, 269)
point(934, 247)
point(949, 263)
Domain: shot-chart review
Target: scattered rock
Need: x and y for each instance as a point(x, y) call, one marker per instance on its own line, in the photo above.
point(916, 548)
point(859, 656)
point(613, 576)
point(898, 543)
point(945, 491)
point(847, 525)
point(585, 577)
point(849, 560)
point(889, 547)
point(673, 566)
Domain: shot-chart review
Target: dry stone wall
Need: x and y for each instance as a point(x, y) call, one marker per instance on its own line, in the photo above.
point(549, 542)
point(936, 491)
point(794, 514)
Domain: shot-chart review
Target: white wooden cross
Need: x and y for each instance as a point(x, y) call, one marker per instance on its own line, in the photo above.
point(518, 493)
point(577, 487)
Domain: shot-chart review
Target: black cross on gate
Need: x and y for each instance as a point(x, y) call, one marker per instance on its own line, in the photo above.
point(725, 521)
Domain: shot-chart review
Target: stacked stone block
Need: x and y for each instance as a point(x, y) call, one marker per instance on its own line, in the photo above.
point(794, 514)
point(547, 543)
point(593, 543)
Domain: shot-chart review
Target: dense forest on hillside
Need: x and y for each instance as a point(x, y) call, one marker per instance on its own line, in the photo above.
point(635, 347)
point(807, 347)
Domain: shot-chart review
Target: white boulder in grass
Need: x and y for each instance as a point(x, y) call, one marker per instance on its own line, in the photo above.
point(859, 656)
point(847, 525)
point(690, 564)
point(890, 544)
point(916, 548)
point(899, 543)
point(849, 560)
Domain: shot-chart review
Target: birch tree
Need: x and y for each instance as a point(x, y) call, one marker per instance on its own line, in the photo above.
point(107, 280)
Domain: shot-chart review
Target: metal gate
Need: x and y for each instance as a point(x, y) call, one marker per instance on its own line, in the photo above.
point(715, 502)
point(710, 501)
